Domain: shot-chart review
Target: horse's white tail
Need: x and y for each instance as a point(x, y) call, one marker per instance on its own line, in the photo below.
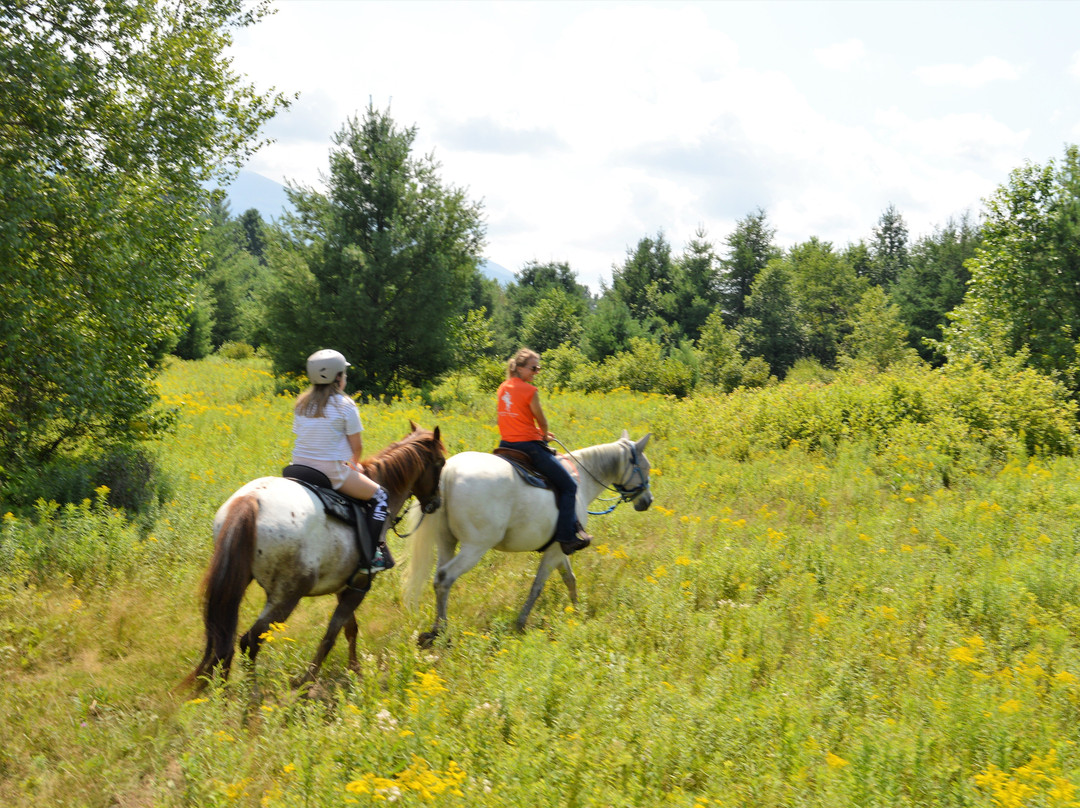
point(418, 570)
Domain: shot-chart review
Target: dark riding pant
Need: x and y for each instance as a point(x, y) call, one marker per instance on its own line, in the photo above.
point(561, 481)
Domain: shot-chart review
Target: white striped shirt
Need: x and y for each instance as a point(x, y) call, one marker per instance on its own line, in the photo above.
point(326, 438)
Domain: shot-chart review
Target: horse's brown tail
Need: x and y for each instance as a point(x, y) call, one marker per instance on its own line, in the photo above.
point(224, 586)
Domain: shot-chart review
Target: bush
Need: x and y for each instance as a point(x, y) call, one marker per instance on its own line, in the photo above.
point(129, 473)
point(490, 373)
point(236, 350)
point(960, 411)
point(88, 543)
point(560, 366)
point(642, 369)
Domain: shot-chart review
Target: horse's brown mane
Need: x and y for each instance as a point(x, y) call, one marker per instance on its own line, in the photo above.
point(395, 465)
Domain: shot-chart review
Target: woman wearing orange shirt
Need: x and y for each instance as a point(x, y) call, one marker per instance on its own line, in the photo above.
point(523, 426)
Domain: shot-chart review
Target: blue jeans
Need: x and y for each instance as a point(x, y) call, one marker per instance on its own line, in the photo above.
point(561, 480)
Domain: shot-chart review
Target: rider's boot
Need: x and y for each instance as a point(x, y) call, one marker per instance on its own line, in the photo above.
point(377, 510)
point(580, 541)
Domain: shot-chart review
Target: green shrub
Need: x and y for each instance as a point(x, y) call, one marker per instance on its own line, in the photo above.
point(130, 473)
point(236, 350)
point(89, 543)
point(560, 364)
point(962, 406)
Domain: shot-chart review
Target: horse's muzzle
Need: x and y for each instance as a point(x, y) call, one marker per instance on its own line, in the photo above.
point(643, 500)
point(432, 504)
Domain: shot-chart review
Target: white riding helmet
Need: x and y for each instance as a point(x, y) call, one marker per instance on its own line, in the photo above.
point(324, 366)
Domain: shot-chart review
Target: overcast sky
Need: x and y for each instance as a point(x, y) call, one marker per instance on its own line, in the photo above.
point(584, 126)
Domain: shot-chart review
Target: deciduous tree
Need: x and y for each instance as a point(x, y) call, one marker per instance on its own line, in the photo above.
point(1024, 292)
point(114, 117)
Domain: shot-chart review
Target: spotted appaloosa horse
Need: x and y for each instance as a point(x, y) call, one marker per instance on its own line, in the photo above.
point(275, 531)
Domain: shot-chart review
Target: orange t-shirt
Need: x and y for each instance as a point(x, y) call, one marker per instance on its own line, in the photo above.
point(516, 420)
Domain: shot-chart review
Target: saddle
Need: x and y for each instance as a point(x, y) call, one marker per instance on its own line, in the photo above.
point(523, 465)
point(348, 510)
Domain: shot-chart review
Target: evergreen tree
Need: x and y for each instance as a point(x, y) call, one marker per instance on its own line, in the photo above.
point(645, 282)
point(772, 325)
point(387, 258)
point(750, 248)
point(609, 328)
point(889, 251)
point(697, 286)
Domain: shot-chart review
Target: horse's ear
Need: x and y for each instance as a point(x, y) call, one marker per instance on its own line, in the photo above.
point(413, 425)
point(625, 435)
point(641, 443)
point(438, 439)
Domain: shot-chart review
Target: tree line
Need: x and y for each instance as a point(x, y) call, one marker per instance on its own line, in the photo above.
point(384, 265)
point(116, 118)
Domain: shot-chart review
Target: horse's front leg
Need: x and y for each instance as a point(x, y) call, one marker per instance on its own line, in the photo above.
point(553, 557)
point(349, 599)
point(445, 576)
point(569, 579)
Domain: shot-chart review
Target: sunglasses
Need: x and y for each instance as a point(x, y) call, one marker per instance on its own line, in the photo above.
point(534, 367)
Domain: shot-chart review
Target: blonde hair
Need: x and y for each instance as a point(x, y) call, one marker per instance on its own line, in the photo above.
point(522, 357)
point(312, 402)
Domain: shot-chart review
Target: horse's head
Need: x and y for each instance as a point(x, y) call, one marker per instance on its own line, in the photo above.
point(634, 484)
point(426, 486)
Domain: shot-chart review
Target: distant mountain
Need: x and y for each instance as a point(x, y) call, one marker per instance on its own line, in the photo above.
point(251, 190)
point(496, 272)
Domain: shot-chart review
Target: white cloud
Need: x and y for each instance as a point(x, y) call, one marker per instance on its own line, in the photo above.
point(842, 55)
point(992, 68)
point(586, 126)
point(970, 139)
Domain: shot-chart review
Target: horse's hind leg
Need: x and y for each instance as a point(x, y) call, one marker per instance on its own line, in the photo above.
point(553, 557)
point(349, 599)
point(273, 612)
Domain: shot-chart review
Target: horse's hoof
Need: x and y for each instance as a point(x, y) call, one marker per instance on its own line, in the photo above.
point(427, 639)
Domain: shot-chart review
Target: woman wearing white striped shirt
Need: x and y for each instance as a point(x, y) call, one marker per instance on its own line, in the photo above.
point(328, 431)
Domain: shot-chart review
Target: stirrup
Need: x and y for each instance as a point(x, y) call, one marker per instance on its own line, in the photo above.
point(578, 543)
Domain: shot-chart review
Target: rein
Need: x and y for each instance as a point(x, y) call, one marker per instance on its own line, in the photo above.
point(625, 493)
point(401, 516)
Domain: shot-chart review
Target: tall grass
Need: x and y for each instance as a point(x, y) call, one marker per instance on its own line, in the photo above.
point(884, 615)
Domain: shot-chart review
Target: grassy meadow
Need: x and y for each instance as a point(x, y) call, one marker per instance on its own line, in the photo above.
point(859, 594)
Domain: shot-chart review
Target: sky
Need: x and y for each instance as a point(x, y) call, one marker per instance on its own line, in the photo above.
point(583, 127)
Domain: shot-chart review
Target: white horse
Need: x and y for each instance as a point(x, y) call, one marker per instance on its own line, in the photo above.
point(486, 505)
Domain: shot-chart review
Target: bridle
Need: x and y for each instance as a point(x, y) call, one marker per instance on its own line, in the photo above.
point(430, 506)
point(625, 493)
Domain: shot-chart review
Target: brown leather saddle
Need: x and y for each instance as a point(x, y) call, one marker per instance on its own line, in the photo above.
point(523, 465)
